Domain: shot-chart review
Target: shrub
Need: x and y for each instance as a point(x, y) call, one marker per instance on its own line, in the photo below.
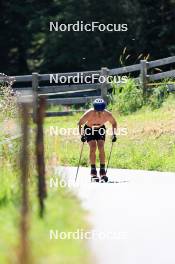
point(158, 96)
point(127, 98)
point(8, 99)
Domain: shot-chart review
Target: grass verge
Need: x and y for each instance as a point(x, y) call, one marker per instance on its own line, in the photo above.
point(63, 213)
point(148, 141)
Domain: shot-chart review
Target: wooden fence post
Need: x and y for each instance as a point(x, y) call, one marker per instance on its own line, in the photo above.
point(24, 104)
point(42, 193)
point(104, 85)
point(35, 85)
point(143, 76)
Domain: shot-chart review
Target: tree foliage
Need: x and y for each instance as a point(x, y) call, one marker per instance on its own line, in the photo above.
point(27, 45)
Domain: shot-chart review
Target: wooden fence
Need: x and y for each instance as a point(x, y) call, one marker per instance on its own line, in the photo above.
point(71, 94)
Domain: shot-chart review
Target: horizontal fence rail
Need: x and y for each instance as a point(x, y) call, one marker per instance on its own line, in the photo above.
point(68, 88)
point(161, 62)
point(71, 101)
point(162, 75)
point(46, 77)
point(50, 85)
point(117, 71)
point(126, 69)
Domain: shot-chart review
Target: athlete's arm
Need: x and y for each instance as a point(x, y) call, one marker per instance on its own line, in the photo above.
point(113, 122)
point(83, 120)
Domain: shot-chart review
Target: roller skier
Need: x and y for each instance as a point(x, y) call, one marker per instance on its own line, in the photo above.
point(93, 131)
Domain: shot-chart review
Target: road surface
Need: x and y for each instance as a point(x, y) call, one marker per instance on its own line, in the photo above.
point(134, 220)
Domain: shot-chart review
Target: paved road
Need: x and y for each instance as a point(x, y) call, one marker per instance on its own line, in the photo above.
point(139, 211)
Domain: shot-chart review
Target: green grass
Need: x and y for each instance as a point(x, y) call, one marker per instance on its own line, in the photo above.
point(148, 145)
point(63, 213)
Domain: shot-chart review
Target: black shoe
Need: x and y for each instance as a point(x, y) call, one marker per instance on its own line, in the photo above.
point(104, 179)
point(102, 172)
point(93, 172)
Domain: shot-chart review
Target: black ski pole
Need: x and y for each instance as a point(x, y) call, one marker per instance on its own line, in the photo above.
point(79, 161)
point(109, 157)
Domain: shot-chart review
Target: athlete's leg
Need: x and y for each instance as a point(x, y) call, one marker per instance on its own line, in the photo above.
point(100, 144)
point(92, 155)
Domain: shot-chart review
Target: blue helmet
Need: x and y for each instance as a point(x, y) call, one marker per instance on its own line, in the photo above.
point(99, 104)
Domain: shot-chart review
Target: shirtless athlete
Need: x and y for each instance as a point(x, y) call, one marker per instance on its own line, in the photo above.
point(94, 133)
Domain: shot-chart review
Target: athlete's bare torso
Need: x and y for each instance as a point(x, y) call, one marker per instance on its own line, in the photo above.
point(95, 118)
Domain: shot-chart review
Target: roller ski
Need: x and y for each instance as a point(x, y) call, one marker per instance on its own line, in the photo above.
point(103, 177)
point(94, 177)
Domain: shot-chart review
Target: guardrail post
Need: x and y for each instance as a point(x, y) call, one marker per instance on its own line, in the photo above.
point(35, 85)
point(143, 76)
point(104, 85)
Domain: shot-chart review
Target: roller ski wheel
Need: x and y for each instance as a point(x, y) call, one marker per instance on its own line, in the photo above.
point(104, 179)
point(94, 179)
